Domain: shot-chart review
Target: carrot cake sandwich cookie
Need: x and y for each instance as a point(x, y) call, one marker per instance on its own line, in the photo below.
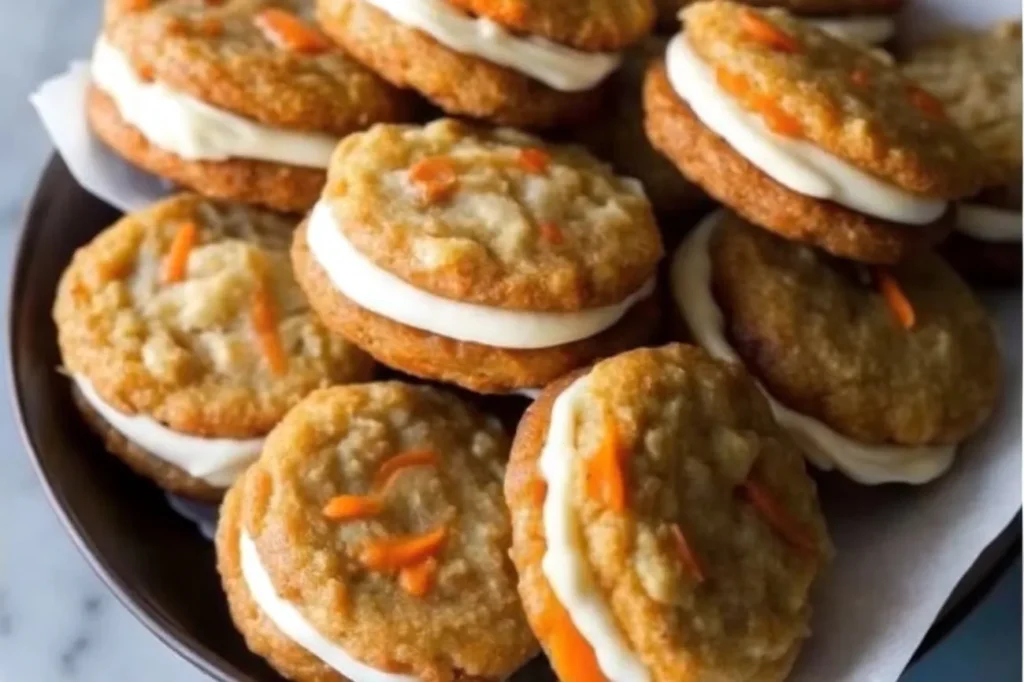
point(239, 100)
point(186, 340)
point(879, 372)
point(526, 63)
point(370, 542)
point(483, 258)
point(866, 22)
point(976, 74)
point(807, 136)
point(664, 527)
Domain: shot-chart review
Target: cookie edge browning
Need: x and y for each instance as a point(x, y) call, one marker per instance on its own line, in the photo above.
point(461, 85)
point(290, 189)
point(431, 356)
point(723, 173)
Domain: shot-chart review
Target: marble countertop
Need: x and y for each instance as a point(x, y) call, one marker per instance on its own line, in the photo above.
point(57, 620)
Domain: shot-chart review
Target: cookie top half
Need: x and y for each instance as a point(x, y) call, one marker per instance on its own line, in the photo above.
point(590, 25)
point(903, 355)
point(698, 531)
point(377, 512)
point(976, 74)
point(493, 217)
point(261, 59)
point(807, 84)
point(188, 312)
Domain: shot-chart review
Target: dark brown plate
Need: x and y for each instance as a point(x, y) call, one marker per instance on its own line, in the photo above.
point(151, 558)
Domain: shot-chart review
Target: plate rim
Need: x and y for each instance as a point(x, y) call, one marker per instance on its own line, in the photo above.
point(199, 654)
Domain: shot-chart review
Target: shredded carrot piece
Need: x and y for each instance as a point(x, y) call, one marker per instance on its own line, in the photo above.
point(736, 84)
point(436, 178)
point(551, 232)
point(390, 554)
point(264, 321)
point(760, 30)
point(860, 78)
point(391, 468)
point(287, 31)
point(570, 655)
point(350, 507)
point(686, 554)
point(538, 491)
point(777, 120)
point(605, 478)
point(209, 26)
point(897, 301)
point(177, 257)
point(534, 160)
point(926, 102)
point(418, 579)
point(777, 517)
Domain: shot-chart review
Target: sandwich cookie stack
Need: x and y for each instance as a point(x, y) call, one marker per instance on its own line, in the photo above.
point(483, 258)
point(523, 63)
point(873, 352)
point(977, 76)
point(238, 100)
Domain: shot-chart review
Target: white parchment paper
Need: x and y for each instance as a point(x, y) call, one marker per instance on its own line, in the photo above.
point(900, 550)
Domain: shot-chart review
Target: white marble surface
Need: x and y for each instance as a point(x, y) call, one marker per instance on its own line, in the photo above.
point(57, 621)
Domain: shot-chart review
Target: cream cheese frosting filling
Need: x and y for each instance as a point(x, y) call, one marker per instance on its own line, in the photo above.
point(386, 294)
point(217, 461)
point(863, 29)
point(824, 447)
point(195, 130)
point(294, 625)
point(564, 565)
point(989, 224)
point(800, 166)
point(557, 66)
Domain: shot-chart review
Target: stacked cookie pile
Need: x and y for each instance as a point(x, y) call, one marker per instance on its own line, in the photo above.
point(652, 518)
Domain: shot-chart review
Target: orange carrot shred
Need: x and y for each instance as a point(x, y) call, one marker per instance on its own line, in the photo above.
point(777, 517)
point(686, 554)
point(760, 30)
point(551, 232)
point(534, 160)
point(177, 257)
point(895, 298)
point(418, 579)
point(860, 78)
point(287, 31)
point(391, 554)
point(777, 120)
point(436, 178)
point(391, 468)
point(736, 84)
point(605, 478)
point(351, 507)
point(209, 26)
point(926, 102)
point(264, 321)
point(571, 656)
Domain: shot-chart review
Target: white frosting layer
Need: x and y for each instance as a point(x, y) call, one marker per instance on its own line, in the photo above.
point(295, 627)
point(870, 464)
point(217, 461)
point(557, 66)
point(381, 292)
point(865, 30)
point(798, 165)
point(563, 564)
point(193, 129)
point(989, 224)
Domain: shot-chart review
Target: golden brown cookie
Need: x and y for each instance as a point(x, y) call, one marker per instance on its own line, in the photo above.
point(461, 84)
point(656, 492)
point(482, 257)
point(809, 119)
point(224, 90)
point(187, 338)
point(668, 10)
point(372, 533)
